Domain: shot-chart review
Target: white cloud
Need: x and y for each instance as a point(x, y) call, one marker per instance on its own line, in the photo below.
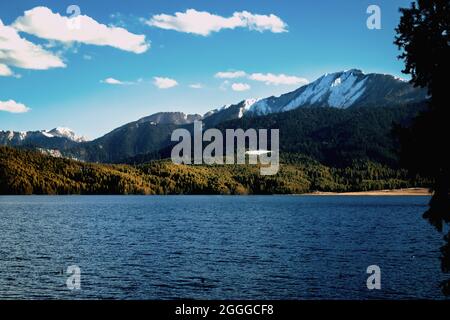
point(230, 74)
point(262, 23)
point(19, 52)
point(273, 79)
point(13, 107)
point(5, 71)
point(112, 81)
point(164, 83)
point(196, 86)
point(267, 78)
point(203, 23)
point(240, 86)
point(43, 23)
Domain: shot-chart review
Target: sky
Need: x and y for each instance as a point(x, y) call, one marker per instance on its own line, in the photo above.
point(95, 65)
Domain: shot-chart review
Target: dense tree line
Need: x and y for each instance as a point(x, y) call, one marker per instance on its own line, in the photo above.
point(332, 136)
point(30, 172)
point(337, 137)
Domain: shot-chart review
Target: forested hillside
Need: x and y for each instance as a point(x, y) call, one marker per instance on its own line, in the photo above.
point(30, 172)
point(334, 137)
point(337, 137)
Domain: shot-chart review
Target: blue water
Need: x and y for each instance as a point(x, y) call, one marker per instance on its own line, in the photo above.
point(217, 247)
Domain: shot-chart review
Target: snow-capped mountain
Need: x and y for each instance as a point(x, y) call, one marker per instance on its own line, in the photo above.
point(345, 89)
point(62, 132)
point(56, 138)
point(228, 112)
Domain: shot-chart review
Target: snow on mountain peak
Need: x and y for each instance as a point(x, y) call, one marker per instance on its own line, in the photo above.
point(246, 105)
point(250, 102)
point(339, 90)
point(10, 135)
point(336, 82)
point(346, 92)
point(260, 107)
point(63, 132)
point(22, 135)
point(342, 89)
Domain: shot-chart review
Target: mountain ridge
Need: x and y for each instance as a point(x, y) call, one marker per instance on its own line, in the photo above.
point(351, 89)
point(343, 89)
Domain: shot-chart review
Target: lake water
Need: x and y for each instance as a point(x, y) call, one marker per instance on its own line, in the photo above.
point(217, 247)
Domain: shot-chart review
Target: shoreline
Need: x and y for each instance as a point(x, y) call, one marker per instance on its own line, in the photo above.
point(387, 192)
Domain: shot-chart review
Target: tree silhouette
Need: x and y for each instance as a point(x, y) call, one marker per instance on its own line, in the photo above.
point(423, 38)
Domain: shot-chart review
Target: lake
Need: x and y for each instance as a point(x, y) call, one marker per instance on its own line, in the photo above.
point(217, 247)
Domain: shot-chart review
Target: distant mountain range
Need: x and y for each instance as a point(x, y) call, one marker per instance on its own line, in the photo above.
point(57, 138)
point(346, 92)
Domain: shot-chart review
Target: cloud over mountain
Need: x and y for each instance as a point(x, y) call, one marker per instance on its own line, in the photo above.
point(240, 86)
point(13, 107)
point(280, 79)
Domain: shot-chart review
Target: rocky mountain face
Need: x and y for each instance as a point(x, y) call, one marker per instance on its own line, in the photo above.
point(345, 89)
point(170, 118)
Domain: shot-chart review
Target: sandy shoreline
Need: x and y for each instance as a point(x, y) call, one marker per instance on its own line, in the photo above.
point(394, 192)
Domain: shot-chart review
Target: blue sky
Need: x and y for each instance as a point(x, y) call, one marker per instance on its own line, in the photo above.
point(298, 39)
